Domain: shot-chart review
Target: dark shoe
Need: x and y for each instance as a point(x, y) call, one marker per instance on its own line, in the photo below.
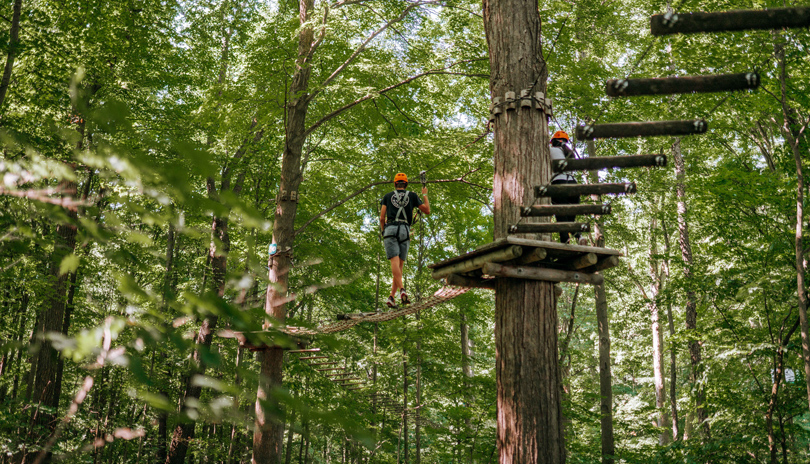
point(391, 302)
point(404, 297)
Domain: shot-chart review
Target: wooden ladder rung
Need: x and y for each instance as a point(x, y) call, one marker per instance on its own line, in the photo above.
point(564, 210)
point(686, 84)
point(607, 162)
point(577, 190)
point(738, 20)
point(641, 129)
point(549, 227)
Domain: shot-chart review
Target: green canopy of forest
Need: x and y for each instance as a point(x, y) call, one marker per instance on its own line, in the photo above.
point(154, 151)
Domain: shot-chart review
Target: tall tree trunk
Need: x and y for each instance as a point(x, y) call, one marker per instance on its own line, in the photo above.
point(404, 403)
point(13, 43)
point(529, 418)
point(673, 358)
point(691, 299)
point(657, 338)
point(603, 327)
point(269, 431)
point(792, 136)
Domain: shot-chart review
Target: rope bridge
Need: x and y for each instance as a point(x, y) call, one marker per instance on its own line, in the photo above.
point(350, 320)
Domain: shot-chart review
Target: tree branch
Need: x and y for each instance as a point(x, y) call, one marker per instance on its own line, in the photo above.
point(387, 89)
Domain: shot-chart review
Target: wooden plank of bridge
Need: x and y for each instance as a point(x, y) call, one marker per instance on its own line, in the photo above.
point(564, 210)
point(578, 190)
point(641, 129)
point(739, 20)
point(686, 84)
point(549, 227)
point(607, 162)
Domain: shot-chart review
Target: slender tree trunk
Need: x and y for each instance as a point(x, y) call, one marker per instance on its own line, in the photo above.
point(691, 299)
point(793, 139)
point(603, 327)
point(657, 338)
point(268, 431)
point(13, 43)
point(405, 446)
point(673, 364)
point(529, 418)
point(288, 447)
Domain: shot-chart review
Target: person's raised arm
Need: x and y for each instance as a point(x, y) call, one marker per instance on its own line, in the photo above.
point(382, 219)
point(425, 206)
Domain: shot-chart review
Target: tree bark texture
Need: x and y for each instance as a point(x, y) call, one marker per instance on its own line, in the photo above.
point(269, 432)
point(603, 327)
point(13, 43)
point(691, 299)
point(529, 417)
point(657, 338)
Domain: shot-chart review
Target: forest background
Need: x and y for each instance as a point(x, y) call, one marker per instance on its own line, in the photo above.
point(143, 146)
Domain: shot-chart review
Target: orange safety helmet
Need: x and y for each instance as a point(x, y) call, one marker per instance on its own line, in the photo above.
point(560, 135)
point(400, 177)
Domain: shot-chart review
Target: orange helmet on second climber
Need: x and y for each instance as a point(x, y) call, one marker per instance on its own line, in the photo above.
point(560, 135)
point(400, 177)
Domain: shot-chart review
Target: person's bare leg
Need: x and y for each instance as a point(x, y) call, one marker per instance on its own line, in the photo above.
point(396, 270)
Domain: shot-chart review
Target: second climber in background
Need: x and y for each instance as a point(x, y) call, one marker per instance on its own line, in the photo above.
point(560, 150)
point(396, 217)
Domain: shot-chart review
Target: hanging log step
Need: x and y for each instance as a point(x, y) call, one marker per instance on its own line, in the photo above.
point(331, 369)
point(540, 273)
point(564, 210)
point(738, 20)
point(324, 363)
point(641, 129)
point(577, 190)
point(608, 162)
point(313, 357)
point(309, 350)
point(687, 84)
point(549, 228)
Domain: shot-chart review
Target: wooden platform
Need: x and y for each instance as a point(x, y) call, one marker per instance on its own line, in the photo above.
point(528, 259)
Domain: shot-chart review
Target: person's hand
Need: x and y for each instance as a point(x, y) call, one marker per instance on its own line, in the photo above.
point(424, 190)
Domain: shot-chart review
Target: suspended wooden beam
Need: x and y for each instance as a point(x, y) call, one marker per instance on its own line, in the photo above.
point(549, 227)
point(331, 369)
point(564, 210)
point(686, 84)
point(738, 20)
point(310, 350)
point(313, 357)
point(456, 280)
point(539, 273)
point(608, 162)
point(323, 363)
point(505, 254)
point(641, 129)
point(345, 380)
point(577, 190)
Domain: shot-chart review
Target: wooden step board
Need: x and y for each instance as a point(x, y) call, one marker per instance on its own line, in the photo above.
point(686, 84)
point(578, 190)
point(739, 20)
point(641, 129)
point(608, 162)
point(515, 257)
point(565, 210)
point(549, 228)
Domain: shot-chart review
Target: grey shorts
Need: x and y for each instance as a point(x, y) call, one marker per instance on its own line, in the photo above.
point(396, 245)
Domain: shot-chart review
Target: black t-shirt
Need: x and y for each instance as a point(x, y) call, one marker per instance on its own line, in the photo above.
point(397, 199)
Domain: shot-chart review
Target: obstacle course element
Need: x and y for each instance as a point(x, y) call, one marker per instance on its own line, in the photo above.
point(608, 162)
point(577, 190)
point(568, 259)
point(739, 20)
point(565, 210)
point(688, 84)
point(641, 129)
point(549, 228)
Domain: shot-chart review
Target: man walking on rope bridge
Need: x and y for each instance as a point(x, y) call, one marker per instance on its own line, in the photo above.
point(396, 217)
point(560, 151)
